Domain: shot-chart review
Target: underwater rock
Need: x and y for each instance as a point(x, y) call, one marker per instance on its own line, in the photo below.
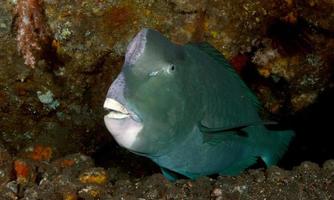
point(76, 177)
point(94, 176)
point(188, 6)
point(33, 34)
point(329, 165)
point(5, 165)
point(48, 99)
point(317, 13)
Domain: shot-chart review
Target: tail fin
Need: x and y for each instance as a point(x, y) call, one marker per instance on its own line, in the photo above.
point(278, 144)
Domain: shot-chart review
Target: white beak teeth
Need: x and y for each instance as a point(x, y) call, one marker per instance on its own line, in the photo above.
point(116, 115)
point(118, 111)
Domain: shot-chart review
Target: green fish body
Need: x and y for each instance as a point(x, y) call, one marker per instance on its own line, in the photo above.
point(184, 107)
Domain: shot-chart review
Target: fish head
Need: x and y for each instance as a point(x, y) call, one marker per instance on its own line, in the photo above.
point(146, 102)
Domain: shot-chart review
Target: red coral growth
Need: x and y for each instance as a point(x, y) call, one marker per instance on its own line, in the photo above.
point(239, 62)
point(32, 31)
point(41, 153)
point(67, 163)
point(22, 171)
point(116, 17)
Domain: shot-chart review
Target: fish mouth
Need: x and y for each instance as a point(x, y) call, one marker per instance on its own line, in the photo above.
point(118, 110)
point(122, 123)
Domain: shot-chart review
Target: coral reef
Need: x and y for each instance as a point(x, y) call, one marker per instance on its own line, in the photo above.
point(33, 34)
point(76, 177)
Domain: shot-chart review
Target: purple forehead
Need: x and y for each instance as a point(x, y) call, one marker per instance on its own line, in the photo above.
point(116, 90)
point(136, 47)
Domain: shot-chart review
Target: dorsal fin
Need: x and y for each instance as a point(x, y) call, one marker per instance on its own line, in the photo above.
point(219, 58)
point(213, 52)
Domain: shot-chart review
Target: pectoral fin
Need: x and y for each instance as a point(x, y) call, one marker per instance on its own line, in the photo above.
point(214, 138)
point(169, 175)
point(203, 128)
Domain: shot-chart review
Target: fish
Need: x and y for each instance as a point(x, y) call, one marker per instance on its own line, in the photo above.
point(186, 108)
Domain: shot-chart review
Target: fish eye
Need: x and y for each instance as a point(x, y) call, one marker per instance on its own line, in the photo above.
point(171, 67)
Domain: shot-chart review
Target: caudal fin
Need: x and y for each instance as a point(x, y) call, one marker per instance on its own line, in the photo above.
point(277, 146)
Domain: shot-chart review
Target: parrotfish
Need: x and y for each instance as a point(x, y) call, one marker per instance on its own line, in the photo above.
point(185, 108)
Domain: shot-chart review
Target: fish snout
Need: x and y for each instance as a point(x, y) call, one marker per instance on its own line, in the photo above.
point(121, 123)
point(116, 109)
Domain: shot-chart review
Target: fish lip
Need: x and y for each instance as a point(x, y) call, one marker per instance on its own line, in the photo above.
point(118, 110)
